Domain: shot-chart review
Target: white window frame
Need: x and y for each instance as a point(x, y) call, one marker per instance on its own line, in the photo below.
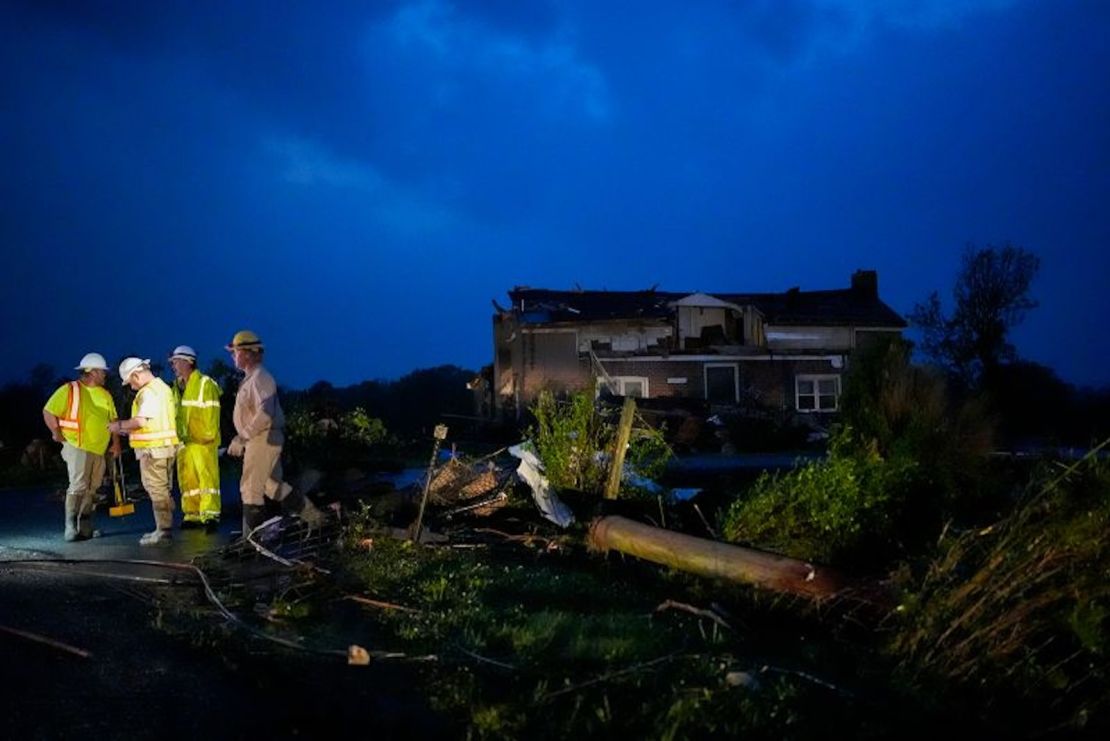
point(816, 378)
point(735, 378)
point(619, 382)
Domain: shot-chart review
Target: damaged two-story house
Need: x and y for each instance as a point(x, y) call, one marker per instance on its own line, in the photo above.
point(780, 351)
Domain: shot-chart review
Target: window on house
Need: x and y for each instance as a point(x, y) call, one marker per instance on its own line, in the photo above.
point(817, 393)
point(721, 385)
point(627, 386)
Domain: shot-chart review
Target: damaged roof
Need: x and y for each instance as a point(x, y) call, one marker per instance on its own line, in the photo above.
point(857, 306)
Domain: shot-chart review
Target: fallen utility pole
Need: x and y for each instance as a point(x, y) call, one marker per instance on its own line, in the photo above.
point(719, 560)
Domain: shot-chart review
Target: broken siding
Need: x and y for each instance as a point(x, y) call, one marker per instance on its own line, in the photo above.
point(693, 320)
point(623, 337)
point(832, 339)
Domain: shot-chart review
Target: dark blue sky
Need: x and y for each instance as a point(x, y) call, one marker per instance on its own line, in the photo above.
point(356, 185)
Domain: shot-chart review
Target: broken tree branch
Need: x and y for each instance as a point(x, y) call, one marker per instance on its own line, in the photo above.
point(708, 614)
point(379, 603)
point(608, 676)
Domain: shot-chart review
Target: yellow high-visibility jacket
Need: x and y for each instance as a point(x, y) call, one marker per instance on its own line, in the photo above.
point(83, 413)
point(198, 410)
point(155, 402)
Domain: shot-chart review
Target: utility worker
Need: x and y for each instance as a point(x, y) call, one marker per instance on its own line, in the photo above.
point(78, 414)
point(198, 426)
point(260, 428)
point(153, 432)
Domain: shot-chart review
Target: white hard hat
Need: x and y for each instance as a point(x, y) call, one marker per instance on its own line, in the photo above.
point(184, 352)
point(92, 361)
point(130, 365)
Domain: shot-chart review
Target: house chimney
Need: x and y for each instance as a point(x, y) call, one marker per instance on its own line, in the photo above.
point(866, 283)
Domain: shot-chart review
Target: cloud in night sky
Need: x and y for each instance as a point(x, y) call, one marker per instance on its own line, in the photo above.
point(361, 179)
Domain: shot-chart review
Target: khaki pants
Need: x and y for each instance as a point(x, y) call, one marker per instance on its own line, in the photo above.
point(262, 470)
point(156, 471)
point(86, 472)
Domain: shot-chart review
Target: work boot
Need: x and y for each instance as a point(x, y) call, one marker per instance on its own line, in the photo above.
point(253, 516)
point(73, 503)
point(211, 526)
point(158, 537)
point(297, 504)
point(311, 515)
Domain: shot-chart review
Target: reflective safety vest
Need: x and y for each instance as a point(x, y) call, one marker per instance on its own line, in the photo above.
point(155, 402)
point(198, 410)
point(72, 418)
point(83, 414)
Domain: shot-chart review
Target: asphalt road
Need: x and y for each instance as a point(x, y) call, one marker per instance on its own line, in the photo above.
point(138, 681)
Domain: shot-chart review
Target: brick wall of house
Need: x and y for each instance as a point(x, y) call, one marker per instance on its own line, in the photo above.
point(551, 361)
point(770, 383)
point(658, 372)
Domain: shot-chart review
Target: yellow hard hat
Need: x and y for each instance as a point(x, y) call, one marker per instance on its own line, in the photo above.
point(245, 339)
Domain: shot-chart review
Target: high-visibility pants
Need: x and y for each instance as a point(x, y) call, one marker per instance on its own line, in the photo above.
point(198, 475)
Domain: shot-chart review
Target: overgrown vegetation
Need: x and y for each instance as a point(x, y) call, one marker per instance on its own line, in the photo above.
point(547, 644)
point(350, 434)
point(575, 439)
point(903, 459)
point(1021, 610)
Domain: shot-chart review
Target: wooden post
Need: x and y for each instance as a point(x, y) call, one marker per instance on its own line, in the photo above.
point(624, 432)
point(440, 436)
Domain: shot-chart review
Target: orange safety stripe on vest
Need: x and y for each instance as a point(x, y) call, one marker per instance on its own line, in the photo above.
point(160, 435)
point(73, 406)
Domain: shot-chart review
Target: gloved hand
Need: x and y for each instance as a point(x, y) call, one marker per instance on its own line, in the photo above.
point(235, 447)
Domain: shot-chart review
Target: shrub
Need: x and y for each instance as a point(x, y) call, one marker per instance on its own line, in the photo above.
point(831, 510)
point(574, 440)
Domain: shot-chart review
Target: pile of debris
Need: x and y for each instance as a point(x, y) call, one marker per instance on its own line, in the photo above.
point(478, 489)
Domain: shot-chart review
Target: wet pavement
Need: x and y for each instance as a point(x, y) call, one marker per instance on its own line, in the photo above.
point(141, 681)
point(31, 521)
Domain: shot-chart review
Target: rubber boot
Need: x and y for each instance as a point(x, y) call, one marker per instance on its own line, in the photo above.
point(157, 537)
point(85, 511)
point(253, 516)
point(163, 524)
point(73, 504)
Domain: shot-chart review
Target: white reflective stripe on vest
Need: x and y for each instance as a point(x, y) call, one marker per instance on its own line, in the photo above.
point(200, 403)
point(158, 430)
